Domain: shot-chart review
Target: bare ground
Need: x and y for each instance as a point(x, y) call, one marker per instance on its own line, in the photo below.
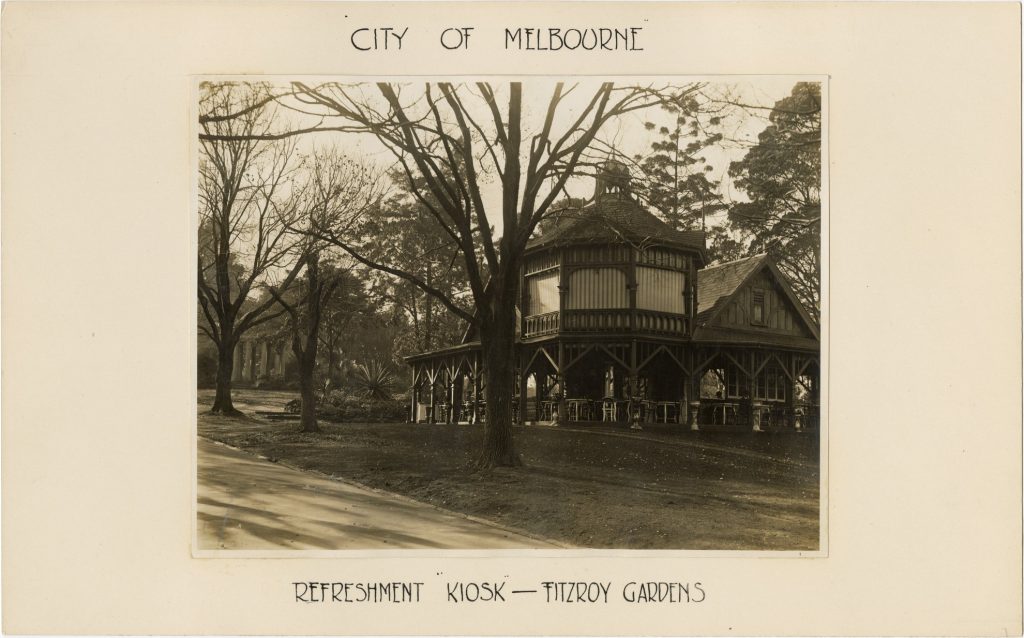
point(605, 488)
point(249, 503)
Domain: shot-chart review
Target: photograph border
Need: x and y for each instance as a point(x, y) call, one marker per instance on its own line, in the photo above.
point(575, 553)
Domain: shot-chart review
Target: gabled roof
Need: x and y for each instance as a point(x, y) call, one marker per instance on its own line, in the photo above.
point(615, 216)
point(716, 284)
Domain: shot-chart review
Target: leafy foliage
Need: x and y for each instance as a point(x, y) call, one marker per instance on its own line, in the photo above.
point(405, 235)
point(340, 408)
point(722, 246)
point(348, 309)
point(676, 172)
point(782, 177)
point(367, 411)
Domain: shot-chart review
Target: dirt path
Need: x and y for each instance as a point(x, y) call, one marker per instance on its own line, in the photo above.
point(249, 503)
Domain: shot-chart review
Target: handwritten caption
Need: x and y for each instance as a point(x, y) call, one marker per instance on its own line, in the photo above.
point(459, 38)
point(500, 591)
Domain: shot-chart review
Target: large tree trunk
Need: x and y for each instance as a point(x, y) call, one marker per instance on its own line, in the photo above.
point(306, 387)
point(498, 342)
point(307, 356)
point(308, 422)
point(225, 368)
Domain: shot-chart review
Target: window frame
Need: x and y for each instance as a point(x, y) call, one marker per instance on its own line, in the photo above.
point(733, 383)
point(758, 301)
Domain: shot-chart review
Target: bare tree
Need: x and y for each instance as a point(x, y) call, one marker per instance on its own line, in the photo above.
point(336, 193)
point(242, 242)
point(305, 334)
point(445, 138)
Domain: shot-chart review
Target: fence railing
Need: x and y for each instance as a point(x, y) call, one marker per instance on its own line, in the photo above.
point(614, 320)
point(660, 322)
point(538, 325)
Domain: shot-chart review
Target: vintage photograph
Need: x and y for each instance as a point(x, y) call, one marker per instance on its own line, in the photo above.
point(563, 313)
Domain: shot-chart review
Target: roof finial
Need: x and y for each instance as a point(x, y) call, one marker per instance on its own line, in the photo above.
point(612, 176)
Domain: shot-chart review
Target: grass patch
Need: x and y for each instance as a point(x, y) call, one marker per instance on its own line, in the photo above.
point(603, 488)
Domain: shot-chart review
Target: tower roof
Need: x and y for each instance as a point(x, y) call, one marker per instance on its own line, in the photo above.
point(614, 217)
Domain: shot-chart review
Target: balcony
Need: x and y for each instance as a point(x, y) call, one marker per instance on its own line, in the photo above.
point(615, 320)
point(660, 322)
point(539, 325)
point(596, 320)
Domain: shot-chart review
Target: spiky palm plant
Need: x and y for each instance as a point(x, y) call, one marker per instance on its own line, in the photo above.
point(373, 380)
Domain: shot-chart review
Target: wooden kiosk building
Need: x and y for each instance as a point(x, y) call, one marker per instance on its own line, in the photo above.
point(621, 321)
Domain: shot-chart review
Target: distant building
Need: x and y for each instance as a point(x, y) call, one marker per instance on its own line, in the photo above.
point(260, 360)
point(620, 320)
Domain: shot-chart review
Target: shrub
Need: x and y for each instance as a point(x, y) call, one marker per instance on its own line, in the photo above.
point(354, 410)
point(336, 398)
point(341, 408)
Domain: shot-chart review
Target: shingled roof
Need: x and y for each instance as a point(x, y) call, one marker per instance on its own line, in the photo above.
point(715, 284)
point(614, 216)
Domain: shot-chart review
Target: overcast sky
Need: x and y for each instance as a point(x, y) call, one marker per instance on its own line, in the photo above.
point(627, 135)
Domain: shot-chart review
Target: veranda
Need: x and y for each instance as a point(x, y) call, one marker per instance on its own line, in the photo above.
point(628, 382)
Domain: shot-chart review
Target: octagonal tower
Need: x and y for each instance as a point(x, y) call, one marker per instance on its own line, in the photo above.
point(610, 266)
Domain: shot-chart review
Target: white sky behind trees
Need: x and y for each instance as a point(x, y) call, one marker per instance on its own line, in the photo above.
point(627, 135)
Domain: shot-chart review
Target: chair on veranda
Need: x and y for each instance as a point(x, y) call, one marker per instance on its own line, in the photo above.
point(609, 411)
